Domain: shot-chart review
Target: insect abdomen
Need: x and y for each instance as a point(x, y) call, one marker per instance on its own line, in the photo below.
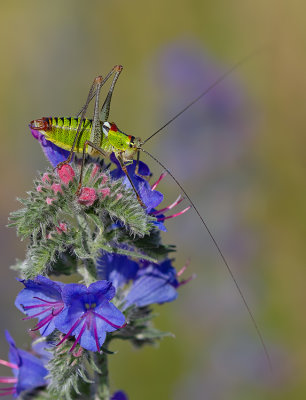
point(62, 132)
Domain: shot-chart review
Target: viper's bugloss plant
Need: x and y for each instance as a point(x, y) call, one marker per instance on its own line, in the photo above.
point(111, 247)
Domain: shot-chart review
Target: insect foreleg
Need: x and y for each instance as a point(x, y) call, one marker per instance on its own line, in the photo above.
point(123, 166)
point(137, 162)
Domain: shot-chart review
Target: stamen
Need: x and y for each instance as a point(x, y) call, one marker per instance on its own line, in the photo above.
point(96, 334)
point(191, 278)
point(36, 306)
point(8, 364)
point(175, 203)
point(55, 311)
point(42, 322)
point(8, 379)
point(174, 215)
point(36, 315)
point(70, 331)
point(47, 301)
point(109, 322)
point(183, 269)
point(78, 337)
point(154, 186)
point(10, 390)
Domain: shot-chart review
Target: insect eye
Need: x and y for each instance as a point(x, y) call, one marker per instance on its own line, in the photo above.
point(106, 127)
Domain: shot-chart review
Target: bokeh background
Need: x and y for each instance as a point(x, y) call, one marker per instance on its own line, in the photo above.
point(239, 152)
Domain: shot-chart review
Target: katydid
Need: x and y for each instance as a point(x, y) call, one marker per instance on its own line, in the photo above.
point(98, 137)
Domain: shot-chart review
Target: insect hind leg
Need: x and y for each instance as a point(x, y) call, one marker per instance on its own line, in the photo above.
point(104, 113)
point(96, 83)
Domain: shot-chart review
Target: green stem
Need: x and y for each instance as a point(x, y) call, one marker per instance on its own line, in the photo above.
point(88, 271)
point(102, 391)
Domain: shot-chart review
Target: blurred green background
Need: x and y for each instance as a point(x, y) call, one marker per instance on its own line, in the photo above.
point(239, 153)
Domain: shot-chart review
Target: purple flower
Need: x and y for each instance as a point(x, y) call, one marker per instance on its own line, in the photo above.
point(117, 173)
point(116, 268)
point(155, 283)
point(53, 153)
point(88, 314)
point(41, 298)
point(40, 346)
point(29, 372)
point(119, 395)
point(149, 196)
point(73, 309)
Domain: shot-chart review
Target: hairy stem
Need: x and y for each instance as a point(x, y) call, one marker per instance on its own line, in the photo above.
point(102, 391)
point(88, 272)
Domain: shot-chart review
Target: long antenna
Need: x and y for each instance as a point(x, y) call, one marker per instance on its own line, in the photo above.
point(221, 255)
point(214, 84)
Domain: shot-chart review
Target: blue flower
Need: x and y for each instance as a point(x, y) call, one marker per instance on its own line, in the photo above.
point(116, 268)
point(119, 395)
point(41, 298)
point(88, 314)
point(151, 198)
point(155, 283)
point(29, 372)
point(117, 173)
point(41, 347)
point(148, 194)
point(53, 153)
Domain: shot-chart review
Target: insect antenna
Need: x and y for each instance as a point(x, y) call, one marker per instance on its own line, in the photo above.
point(212, 86)
point(222, 257)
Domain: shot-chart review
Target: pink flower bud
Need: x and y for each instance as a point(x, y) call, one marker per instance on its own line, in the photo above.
point(95, 170)
point(104, 192)
point(104, 179)
point(49, 200)
point(62, 227)
point(119, 196)
point(87, 197)
point(39, 188)
point(78, 353)
point(45, 177)
point(56, 187)
point(66, 173)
